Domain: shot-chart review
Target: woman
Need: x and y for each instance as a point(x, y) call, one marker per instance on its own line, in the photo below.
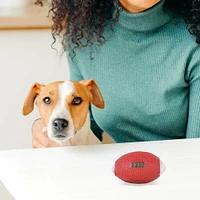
point(145, 58)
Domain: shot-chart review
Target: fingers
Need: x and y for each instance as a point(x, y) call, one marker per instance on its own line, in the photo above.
point(36, 144)
point(44, 140)
point(52, 143)
point(40, 138)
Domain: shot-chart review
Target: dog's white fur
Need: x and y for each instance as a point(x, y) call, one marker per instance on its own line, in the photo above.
point(66, 88)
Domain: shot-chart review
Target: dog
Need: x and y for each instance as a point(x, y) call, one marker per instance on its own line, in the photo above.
point(64, 109)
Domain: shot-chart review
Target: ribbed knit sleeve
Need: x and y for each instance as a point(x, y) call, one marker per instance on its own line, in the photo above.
point(193, 74)
point(75, 75)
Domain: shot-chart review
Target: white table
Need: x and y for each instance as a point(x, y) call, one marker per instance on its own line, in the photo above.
point(85, 173)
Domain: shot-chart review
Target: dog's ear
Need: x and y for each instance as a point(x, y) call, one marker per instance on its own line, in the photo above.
point(29, 101)
point(97, 98)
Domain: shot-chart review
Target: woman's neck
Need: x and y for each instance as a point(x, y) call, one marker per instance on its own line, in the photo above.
point(137, 7)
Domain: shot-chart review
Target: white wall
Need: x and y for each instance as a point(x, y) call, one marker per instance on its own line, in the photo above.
point(26, 57)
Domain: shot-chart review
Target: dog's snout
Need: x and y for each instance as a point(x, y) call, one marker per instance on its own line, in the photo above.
point(60, 124)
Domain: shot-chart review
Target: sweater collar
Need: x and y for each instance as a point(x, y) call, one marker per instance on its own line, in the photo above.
point(148, 20)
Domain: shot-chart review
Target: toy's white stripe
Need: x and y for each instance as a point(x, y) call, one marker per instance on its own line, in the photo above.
point(162, 167)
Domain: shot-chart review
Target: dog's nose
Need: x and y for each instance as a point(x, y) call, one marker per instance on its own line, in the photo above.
point(60, 124)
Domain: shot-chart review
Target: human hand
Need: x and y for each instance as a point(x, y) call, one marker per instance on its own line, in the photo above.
point(40, 138)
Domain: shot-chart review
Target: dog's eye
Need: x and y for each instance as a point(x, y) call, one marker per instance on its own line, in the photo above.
point(47, 100)
point(77, 101)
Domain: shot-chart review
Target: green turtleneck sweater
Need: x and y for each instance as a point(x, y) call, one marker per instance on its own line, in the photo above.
point(148, 72)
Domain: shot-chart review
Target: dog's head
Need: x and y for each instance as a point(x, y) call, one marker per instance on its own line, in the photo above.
point(63, 106)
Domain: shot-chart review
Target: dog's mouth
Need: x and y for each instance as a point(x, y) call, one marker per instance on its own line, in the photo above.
point(60, 137)
point(64, 137)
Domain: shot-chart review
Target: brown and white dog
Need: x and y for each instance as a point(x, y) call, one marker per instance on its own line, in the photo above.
point(64, 108)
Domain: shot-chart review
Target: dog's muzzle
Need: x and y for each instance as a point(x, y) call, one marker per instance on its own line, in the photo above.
point(59, 126)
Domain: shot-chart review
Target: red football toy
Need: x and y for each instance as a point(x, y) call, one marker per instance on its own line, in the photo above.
point(138, 167)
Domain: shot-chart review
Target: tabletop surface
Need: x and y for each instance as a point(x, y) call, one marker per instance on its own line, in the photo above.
point(85, 172)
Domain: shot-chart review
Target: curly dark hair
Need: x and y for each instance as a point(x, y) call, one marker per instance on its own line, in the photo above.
point(81, 22)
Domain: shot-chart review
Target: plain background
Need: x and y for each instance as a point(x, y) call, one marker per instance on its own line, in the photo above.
point(26, 57)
